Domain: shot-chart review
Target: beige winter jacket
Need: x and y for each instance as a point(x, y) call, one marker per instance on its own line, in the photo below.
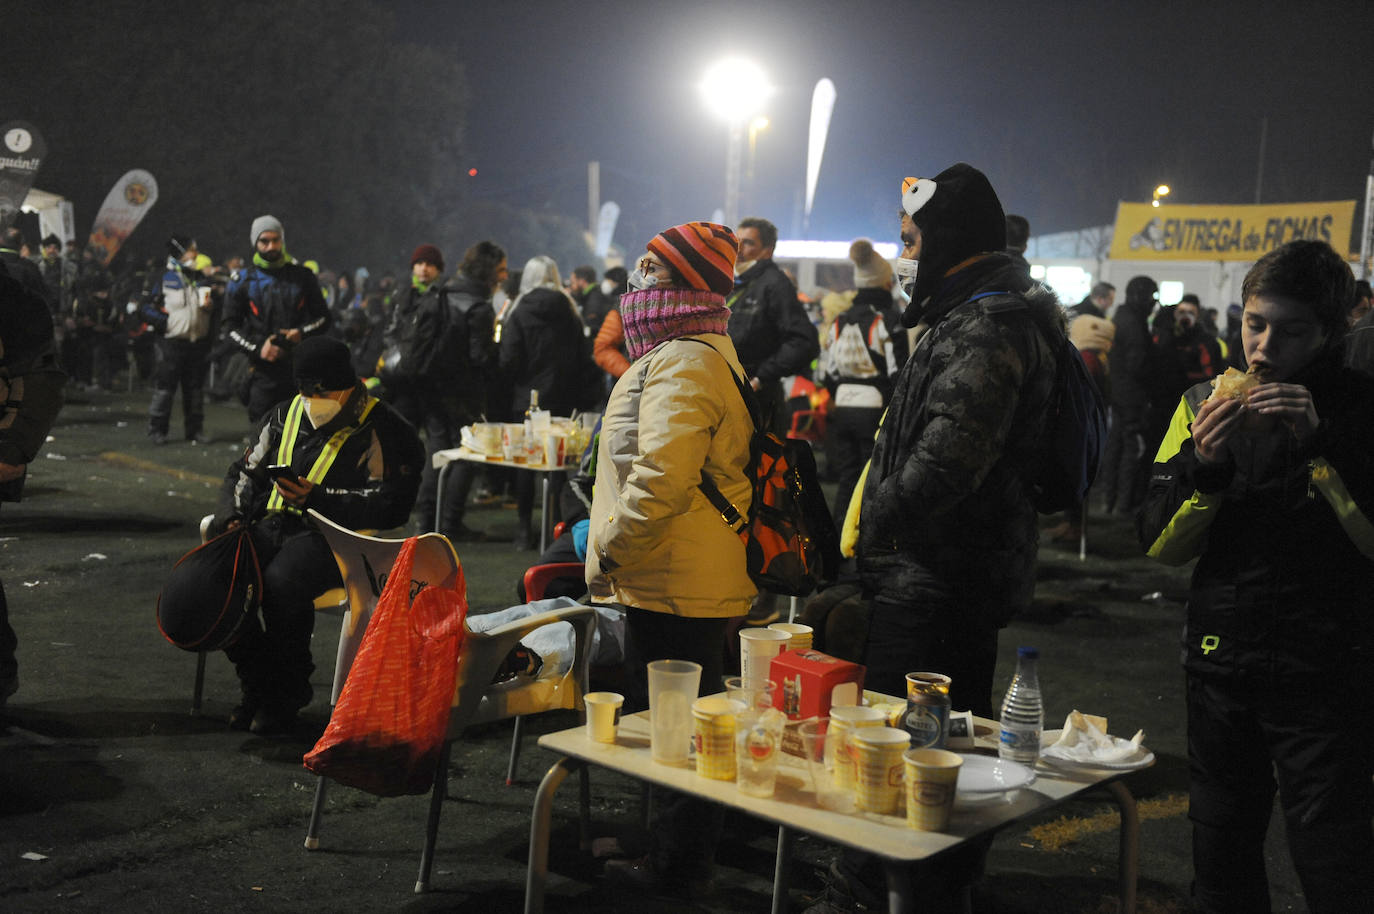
point(655, 542)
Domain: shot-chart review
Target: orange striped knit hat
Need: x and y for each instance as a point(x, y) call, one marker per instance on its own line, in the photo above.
point(702, 253)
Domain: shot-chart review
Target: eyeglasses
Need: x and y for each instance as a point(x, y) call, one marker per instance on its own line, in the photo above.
point(651, 267)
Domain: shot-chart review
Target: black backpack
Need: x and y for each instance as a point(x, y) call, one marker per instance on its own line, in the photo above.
point(1075, 426)
point(791, 544)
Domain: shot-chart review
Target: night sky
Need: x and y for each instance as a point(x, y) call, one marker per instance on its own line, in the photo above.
point(1069, 107)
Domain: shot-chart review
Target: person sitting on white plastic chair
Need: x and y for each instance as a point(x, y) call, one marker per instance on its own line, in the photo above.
point(342, 452)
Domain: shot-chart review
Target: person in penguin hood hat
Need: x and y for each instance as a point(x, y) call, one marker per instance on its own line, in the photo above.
point(945, 221)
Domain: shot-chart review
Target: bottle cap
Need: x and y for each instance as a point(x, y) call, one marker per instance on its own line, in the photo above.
point(1030, 653)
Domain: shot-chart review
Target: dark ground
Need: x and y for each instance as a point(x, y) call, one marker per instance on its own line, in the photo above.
point(136, 806)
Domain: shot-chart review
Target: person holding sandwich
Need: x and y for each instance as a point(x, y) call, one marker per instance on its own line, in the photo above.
point(1267, 480)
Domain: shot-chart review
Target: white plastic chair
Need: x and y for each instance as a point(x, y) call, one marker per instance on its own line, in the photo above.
point(364, 562)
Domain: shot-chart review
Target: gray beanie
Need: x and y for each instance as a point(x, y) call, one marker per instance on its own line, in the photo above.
point(870, 269)
point(266, 224)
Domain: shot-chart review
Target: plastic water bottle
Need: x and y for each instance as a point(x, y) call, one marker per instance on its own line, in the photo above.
point(1023, 711)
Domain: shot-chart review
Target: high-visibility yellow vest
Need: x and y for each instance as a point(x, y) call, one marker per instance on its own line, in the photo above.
point(327, 454)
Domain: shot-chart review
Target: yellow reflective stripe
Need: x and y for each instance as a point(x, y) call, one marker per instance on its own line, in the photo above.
point(1182, 538)
point(284, 447)
point(1352, 519)
point(327, 454)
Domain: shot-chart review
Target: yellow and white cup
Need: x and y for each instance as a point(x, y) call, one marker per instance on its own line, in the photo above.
point(839, 747)
point(713, 733)
point(932, 777)
point(603, 713)
point(799, 635)
point(879, 768)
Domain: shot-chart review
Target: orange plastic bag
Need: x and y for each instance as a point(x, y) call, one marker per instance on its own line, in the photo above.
point(388, 727)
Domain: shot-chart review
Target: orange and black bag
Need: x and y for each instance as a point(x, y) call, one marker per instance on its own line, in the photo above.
point(388, 727)
point(791, 544)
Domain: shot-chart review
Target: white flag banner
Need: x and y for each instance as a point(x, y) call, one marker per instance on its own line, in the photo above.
point(124, 208)
point(822, 106)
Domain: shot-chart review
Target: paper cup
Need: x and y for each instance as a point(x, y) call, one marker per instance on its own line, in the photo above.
point(799, 636)
point(839, 749)
point(932, 777)
point(673, 686)
point(879, 773)
point(757, 648)
point(713, 732)
point(603, 714)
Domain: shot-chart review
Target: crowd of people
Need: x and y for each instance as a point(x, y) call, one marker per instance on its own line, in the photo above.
point(940, 375)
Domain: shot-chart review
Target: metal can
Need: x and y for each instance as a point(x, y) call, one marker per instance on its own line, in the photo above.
point(927, 710)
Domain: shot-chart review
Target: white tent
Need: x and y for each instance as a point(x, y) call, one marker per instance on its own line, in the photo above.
point(55, 216)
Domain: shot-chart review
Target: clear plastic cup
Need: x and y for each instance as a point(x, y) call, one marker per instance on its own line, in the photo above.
point(754, 693)
point(758, 742)
point(829, 794)
point(673, 686)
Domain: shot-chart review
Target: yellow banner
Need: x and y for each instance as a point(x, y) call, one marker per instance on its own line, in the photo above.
point(1145, 232)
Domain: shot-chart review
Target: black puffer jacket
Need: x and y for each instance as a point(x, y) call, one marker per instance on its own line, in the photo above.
point(947, 514)
point(768, 326)
point(1132, 348)
point(471, 304)
point(1282, 536)
point(543, 347)
point(371, 484)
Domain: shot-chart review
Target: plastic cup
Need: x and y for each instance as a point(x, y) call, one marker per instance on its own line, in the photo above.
point(839, 750)
point(829, 794)
point(757, 648)
point(553, 450)
point(603, 714)
point(488, 438)
point(758, 742)
point(879, 765)
point(932, 777)
point(713, 732)
point(513, 442)
point(799, 636)
point(754, 693)
point(673, 686)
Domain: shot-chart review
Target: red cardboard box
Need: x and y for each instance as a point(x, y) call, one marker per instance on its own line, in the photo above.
point(809, 682)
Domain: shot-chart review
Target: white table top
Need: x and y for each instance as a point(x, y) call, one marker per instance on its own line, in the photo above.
point(441, 458)
point(793, 803)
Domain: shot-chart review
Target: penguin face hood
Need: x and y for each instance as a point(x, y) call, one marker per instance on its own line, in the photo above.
point(959, 215)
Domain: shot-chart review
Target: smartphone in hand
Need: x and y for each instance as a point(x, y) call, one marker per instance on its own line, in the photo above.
point(282, 471)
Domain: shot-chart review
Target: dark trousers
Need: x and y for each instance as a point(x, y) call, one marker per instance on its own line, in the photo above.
point(442, 422)
point(9, 644)
point(906, 637)
point(182, 365)
point(686, 830)
point(273, 655)
point(1125, 461)
point(1241, 736)
point(848, 445)
point(270, 384)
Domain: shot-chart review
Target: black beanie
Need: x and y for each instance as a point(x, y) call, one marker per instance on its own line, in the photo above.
point(323, 363)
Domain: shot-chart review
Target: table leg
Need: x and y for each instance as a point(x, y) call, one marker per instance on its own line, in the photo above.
point(537, 873)
point(1128, 856)
point(546, 521)
point(780, 871)
point(899, 900)
point(439, 495)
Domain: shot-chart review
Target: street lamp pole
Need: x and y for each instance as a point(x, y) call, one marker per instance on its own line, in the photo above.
point(734, 152)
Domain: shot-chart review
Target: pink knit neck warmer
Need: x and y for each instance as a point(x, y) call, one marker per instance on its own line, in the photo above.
point(654, 315)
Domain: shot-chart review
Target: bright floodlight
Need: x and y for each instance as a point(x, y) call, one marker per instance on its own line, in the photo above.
point(1162, 190)
point(735, 88)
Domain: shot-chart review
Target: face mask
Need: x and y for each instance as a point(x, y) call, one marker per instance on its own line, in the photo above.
point(319, 410)
point(639, 282)
point(907, 268)
point(743, 266)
